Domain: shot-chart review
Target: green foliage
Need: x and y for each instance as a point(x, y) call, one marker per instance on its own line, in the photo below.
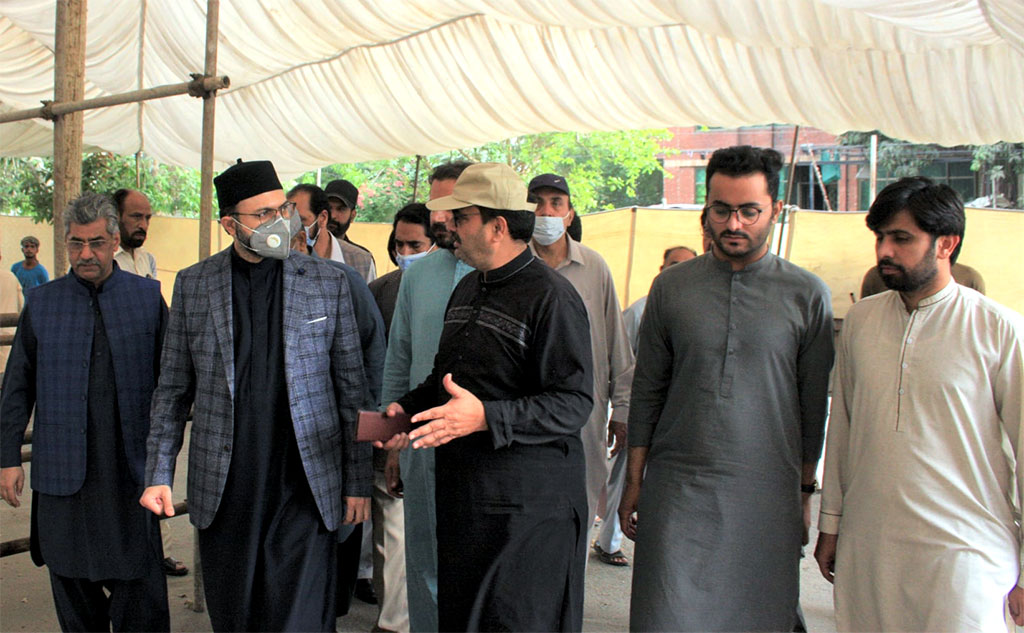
point(26, 184)
point(897, 158)
point(605, 170)
point(1006, 156)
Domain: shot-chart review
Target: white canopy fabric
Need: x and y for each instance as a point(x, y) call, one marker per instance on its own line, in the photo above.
point(315, 82)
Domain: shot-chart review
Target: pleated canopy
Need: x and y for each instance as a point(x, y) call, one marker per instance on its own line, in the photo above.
point(315, 82)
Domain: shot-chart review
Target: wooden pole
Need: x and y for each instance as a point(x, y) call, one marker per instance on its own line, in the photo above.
point(791, 175)
point(68, 85)
point(416, 177)
point(629, 255)
point(873, 171)
point(209, 109)
point(198, 87)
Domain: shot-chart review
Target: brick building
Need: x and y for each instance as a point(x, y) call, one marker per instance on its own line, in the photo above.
point(843, 169)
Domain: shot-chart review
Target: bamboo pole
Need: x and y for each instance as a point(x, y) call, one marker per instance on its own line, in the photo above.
point(68, 85)
point(209, 110)
point(873, 170)
point(416, 177)
point(791, 175)
point(197, 87)
point(629, 255)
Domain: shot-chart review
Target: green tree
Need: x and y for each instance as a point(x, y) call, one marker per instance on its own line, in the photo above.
point(605, 170)
point(26, 184)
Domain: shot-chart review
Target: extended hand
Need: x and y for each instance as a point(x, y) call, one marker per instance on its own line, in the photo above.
point(157, 499)
point(462, 415)
point(825, 554)
point(12, 481)
point(357, 510)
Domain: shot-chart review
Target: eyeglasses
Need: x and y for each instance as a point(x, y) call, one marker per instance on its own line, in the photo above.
point(269, 213)
point(76, 245)
point(462, 218)
point(720, 213)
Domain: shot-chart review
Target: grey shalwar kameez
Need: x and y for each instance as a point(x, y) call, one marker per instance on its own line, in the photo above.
point(730, 397)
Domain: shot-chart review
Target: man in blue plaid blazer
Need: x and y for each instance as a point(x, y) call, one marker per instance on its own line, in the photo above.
point(274, 468)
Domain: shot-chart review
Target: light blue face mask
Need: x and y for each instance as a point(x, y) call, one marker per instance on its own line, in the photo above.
point(404, 261)
point(311, 241)
point(548, 229)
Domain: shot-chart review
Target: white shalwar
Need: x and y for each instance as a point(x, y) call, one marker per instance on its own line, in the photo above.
point(921, 473)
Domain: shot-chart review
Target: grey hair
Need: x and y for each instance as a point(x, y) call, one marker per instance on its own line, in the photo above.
point(89, 207)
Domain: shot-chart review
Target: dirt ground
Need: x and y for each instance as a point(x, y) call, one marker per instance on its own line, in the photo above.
point(26, 603)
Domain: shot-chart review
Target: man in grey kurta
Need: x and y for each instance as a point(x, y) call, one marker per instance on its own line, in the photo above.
point(727, 415)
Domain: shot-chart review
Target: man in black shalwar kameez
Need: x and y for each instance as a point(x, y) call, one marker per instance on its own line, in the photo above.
point(516, 365)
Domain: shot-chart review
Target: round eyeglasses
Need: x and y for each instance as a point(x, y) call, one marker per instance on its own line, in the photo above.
point(720, 213)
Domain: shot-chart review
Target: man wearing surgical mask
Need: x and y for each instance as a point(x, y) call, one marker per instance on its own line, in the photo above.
point(263, 341)
point(313, 206)
point(411, 240)
point(613, 356)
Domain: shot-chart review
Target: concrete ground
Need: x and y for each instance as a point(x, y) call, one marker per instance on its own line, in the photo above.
point(26, 603)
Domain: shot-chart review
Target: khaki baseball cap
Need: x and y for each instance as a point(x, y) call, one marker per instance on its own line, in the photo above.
point(491, 185)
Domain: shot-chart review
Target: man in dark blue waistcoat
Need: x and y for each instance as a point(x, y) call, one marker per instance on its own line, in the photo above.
point(86, 355)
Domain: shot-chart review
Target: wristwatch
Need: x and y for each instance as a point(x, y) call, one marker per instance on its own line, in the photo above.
point(810, 488)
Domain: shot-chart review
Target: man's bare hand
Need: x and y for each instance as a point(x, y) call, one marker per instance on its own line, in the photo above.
point(825, 554)
point(617, 432)
point(357, 510)
point(398, 441)
point(462, 415)
point(627, 509)
point(157, 499)
point(12, 482)
point(393, 474)
point(1015, 599)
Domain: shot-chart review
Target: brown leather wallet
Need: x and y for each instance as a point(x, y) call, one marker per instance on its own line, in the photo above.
point(373, 426)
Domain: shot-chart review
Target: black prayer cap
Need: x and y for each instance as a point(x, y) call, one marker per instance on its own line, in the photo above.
point(245, 180)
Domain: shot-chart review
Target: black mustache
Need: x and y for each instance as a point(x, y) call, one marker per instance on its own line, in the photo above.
point(885, 261)
point(724, 234)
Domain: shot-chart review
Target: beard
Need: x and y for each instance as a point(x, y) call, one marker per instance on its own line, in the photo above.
point(754, 243)
point(909, 280)
point(134, 240)
point(442, 236)
point(337, 229)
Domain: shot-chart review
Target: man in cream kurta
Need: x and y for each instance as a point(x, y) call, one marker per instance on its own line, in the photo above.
point(917, 513)
point(587, 271)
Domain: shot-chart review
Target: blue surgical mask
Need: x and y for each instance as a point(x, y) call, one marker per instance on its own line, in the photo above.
point(404, 261)
point(548, 229)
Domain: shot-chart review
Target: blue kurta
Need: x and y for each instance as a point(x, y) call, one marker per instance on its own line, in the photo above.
point(412, 343)
point(730, 396)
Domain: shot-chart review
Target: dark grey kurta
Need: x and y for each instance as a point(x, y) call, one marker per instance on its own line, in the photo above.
point(730, 395)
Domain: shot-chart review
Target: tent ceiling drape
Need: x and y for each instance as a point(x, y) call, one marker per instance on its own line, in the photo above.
point(315, 82)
